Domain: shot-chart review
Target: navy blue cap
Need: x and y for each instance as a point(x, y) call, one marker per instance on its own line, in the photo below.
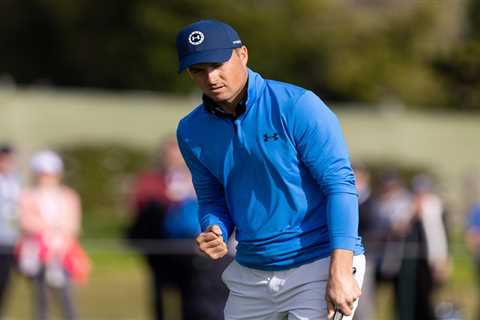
point(206, 41)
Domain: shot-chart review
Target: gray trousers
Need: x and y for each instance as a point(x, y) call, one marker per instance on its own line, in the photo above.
point(293, 294)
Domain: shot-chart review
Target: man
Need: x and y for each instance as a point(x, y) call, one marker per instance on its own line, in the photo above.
point(268, 160)
point(9, 190)
point(165, 208)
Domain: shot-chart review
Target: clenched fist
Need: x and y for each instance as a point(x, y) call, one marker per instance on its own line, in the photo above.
point(211, 242)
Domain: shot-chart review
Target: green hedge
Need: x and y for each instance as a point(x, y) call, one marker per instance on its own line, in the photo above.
point(103, 175)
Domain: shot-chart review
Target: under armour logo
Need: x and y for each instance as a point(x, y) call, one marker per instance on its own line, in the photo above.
point(272, 137)
point(196, 37)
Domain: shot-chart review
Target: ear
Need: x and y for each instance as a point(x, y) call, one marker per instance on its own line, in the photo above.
point(243, 54)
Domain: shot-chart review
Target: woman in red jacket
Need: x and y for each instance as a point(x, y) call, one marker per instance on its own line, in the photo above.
point(50, 223)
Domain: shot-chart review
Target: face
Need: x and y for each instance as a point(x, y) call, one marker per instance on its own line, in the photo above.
point(172, 157)
point(7, 162)
point(48, 179)
point(362, 179)
point(222, 82)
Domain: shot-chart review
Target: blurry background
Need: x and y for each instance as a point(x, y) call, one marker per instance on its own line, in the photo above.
point(97, 81)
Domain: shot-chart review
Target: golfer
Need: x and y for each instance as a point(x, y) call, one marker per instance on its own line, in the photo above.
point(269, 161)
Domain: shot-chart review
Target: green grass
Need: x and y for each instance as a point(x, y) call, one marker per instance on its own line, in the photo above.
point(118, 289)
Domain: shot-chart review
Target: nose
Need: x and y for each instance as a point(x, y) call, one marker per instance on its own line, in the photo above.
point(212, 75)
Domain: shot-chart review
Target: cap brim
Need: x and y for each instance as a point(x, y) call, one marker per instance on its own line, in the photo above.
point(210, 56)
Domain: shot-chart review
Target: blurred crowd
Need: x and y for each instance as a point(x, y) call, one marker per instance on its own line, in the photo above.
point(39, 229)
point(164, 226)
point(404, 224)
point(406, 238)
point(406, 230)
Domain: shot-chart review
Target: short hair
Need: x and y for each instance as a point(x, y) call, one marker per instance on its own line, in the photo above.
point(6, 149)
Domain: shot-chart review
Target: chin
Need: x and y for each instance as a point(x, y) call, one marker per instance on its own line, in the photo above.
point(219, 98)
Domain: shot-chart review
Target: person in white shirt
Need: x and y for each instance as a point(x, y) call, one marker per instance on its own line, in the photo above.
point(9, 190)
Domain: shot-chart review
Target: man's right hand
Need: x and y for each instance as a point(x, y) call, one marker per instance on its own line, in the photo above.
point(211, 242)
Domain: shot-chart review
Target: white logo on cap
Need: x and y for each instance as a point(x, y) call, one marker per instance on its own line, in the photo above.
point(196, 37)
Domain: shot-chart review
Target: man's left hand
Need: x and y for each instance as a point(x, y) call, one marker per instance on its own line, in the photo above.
point(342, 288)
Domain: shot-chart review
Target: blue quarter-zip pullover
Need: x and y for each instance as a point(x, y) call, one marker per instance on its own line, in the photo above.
point(279, 174)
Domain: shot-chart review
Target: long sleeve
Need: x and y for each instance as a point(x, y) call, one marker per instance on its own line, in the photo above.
point(321, 146)
point(435, 233)
point(210, 193)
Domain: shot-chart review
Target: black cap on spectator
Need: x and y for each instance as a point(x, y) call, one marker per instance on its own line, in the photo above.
point(6, 148)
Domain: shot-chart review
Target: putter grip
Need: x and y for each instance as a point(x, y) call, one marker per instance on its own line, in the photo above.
point(338, 315)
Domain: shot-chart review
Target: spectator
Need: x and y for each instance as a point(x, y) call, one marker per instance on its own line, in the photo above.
point(393, 212)
point(9, 190)
point(425, 258)
point(165, 209)
point(50, 223)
